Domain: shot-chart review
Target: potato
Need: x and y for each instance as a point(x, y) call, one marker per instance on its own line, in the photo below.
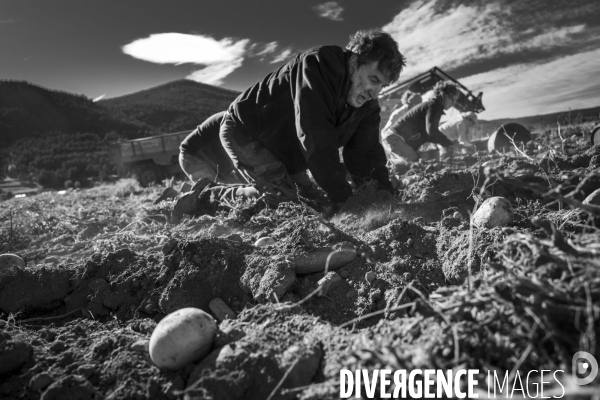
point(495, 211)
point(182, 337)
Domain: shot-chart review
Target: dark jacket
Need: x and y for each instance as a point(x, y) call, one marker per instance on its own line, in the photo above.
point(420, 124)
point(204, 142)
point(299, 113)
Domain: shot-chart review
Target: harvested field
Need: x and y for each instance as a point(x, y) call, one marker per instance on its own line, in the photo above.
point(420, 289)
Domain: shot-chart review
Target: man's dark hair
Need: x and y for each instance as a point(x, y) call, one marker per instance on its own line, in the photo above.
point(445, 87)
point(376, 45)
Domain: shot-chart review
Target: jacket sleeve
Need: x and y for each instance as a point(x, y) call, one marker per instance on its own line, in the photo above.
point(432, 120)
point(315, 81)
point(364, 155)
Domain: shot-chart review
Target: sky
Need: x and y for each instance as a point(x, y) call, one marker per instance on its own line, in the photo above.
point(528, 57)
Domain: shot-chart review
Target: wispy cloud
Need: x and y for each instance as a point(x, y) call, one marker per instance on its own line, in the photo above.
point(99, 98)
point(6, 21)
point(219, 57)
point(283, 56)
point(488, 38)
point(331, 10)
point(268, 49)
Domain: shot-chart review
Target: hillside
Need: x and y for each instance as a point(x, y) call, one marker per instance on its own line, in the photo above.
point(174, 106)
point(537, 123)
point(28, 110)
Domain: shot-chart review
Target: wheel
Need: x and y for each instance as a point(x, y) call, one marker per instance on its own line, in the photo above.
point(148, 174)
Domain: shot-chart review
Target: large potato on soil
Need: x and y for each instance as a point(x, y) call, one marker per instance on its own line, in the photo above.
point(182, 337)
point(495, 211)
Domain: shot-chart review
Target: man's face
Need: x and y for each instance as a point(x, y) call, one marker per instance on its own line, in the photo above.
point(366, 82)
point(450, 100)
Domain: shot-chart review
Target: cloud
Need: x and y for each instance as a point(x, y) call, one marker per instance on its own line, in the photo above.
point(219, 57)
point(215, 73)
point(268, 49)
point(331, 10)
point(467, 34)
point(99, 98)
point(568, 82)
point(507, 50)
point(283, 56)
point(6, 21)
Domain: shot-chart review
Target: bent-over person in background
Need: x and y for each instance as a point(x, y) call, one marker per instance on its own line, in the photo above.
point(420, 125)
point(459, 129)
point(409, 100)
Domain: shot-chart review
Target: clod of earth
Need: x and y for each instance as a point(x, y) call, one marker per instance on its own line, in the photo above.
point(495, 211)
point(182, 337)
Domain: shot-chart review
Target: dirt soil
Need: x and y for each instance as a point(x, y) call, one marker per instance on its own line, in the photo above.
point(423, 288)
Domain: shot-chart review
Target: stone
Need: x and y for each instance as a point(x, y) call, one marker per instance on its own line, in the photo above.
point(221, 310)
point(234, 237)
point(13, 355)
point(264, 242)
point(493, 212)
point(140, 346)
point(370, 277)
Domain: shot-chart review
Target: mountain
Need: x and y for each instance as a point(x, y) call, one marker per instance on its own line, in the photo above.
point(28, 110)
point(174, 106)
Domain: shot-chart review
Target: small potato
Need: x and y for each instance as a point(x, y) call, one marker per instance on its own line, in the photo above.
point(495, 211)
point(182, 337)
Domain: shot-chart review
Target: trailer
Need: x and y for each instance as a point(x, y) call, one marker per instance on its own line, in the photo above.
point(150, 159)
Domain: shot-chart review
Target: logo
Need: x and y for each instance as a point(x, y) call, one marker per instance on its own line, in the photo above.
point(584, 367)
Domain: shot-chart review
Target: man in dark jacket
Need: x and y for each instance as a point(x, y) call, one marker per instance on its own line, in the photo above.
point(298, 117)
point(420, 125)
point(201, 154)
